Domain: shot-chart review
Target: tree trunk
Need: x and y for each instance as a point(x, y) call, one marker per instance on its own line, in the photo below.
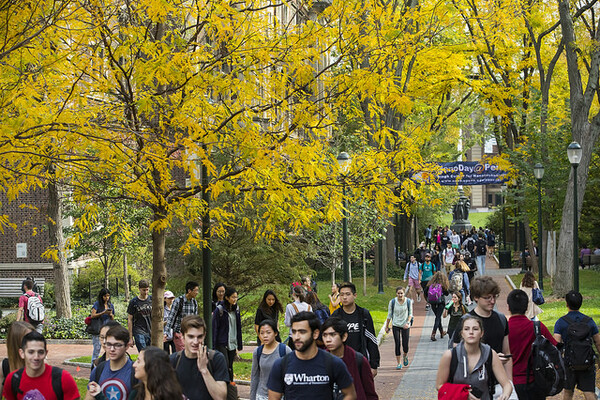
point(62, 289)
point(125, 277)
point(584, 132)
point(529, 241)
point(159, 280)
point(364, 262)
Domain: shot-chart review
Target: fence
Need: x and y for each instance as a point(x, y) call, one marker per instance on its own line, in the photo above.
point(115, 286)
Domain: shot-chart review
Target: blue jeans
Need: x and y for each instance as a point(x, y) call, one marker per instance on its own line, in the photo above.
point(97, 346)
point(481, 264)
point(141, 341)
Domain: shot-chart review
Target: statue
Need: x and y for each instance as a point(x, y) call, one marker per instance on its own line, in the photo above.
point(460, 212)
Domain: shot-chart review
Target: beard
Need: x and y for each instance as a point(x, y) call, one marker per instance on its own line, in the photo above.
point(304, 345)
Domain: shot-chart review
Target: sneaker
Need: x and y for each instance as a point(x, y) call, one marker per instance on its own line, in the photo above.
point(405, 360)
point(418, 298)
point(427, 307)
point(399, 366)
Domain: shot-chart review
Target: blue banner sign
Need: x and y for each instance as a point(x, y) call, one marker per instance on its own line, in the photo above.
point(470, 173)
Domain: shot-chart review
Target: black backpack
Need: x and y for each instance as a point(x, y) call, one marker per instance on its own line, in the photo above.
point(56, 376)
point(579, 352)
point(546, 364)
point(471, 247)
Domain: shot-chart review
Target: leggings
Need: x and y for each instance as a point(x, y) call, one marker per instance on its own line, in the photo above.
point(397, 331)
point(438, 310)
point(229, 356)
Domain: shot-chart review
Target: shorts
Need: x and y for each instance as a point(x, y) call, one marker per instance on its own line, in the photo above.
point(415, 283)
point(585, 380)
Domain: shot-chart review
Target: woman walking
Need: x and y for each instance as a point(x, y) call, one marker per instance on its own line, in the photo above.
point(168, 344)
point(473, 362)
point(298, 304)
point(227, 328)
point(218, 293)
point(527, 285)
point(334, 298)
point(455, 309)
point(438, 283)
point(263, 359)
point(400, 313)
point(104, 310)
point(269, 308)
point(13, 362)
point(459, 279)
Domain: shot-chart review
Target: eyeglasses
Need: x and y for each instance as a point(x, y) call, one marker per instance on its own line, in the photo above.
point(491, 297)
point(115, 346)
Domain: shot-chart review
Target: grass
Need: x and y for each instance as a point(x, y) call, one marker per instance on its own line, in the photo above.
point(554, 308)
point(476, 219)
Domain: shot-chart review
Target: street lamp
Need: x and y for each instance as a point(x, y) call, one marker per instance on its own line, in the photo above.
point(538, 172)
point(574, 154)
point(504, 188)
point(344, 162)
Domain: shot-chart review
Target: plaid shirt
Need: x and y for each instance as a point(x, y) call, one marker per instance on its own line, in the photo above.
point(190, 307)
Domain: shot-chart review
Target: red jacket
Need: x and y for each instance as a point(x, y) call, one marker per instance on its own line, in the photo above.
point(363, 381)
point(520, 338)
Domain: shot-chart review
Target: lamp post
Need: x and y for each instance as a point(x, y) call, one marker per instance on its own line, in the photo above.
point(574, 154)
point(344, 162)
point(538, 172)
point(504, 188)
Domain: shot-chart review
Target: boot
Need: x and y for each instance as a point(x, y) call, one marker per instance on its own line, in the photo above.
point(433, 339)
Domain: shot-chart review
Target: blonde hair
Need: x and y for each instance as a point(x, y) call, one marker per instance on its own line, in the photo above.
point(17, 330)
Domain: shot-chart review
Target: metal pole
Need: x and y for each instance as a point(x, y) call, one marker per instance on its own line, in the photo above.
point(575, 233)
point(540, 239)
point(346, 261)
point(206, 258)
point(380, 266)
point(503, 222)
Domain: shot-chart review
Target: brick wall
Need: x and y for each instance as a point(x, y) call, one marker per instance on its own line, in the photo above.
point(48, 274)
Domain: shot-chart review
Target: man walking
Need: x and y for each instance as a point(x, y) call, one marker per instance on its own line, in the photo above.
point(31, 308)
point(334, 333)
point(182, 306)
point(139, 317)
point(414, 276)
point(115, 376)
point(308, 372)
point(428, 237)
point(481, 251)
point(202, 373)
point(361, 332)
point(577, 331)
point(38, 379)
point(521, 336)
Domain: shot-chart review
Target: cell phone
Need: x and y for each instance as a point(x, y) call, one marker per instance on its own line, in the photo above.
point(506, 356)
point(476, 392)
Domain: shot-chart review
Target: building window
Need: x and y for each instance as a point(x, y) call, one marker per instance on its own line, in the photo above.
point(21, 250)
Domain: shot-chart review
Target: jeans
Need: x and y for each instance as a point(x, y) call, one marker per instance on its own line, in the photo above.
point(141, 341)
point(481, 264)
point(528, 392)
point(401, 337)
point(169, 347)
point(97, 346)
point(229, 356)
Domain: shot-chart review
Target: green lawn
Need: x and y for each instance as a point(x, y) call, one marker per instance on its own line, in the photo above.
point(554, 308)
point(476, 219)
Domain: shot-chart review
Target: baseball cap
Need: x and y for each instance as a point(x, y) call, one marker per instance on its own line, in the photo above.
point(169, 295)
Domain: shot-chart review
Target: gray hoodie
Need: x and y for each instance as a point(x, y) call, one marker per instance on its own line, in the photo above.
point(479, 376)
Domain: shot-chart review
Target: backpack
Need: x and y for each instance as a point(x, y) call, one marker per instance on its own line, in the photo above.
point(481, 249)
point(337, 393)
point(322, 314)
point(435, 294)
point(56, 375)
point(35, 309)
point(471, 246)
point(546, 364)
point(579, 353)
point(456, 282)
point(408, 304)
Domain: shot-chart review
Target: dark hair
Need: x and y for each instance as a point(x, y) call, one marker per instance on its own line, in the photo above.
point(101, 294)
point(574, 300)
point(517, 301)
point(528, 280)
point(28, 283)
point(192, 322)
point(228, 293)
point(311, 317)
point(274, 308)
point(349, 285)
point(338, 325)
point(459, 295)
point(269, 322)
point(483, 286)
point(33, 336)
point(189, 286)
point(119, 332)
point(143, 284)
point(160, 376)
point(313, 300)
point(299, 291)
point(214, 291)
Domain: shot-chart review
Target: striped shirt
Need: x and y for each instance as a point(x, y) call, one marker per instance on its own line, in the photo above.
point(190, 307)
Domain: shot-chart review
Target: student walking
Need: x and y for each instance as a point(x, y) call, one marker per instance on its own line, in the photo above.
point(182, 306)
point(13, 361)
point(269, 308)
point(263, 358)
point(528, 283)
point(227, 328)
point(334, 298)
point(400, 313)
point(31, 308)
point(139, 317)
point(105, 311)
point(437, 285)
point(472, 362)
point(414, 276)
point(427, 269)
point(455, 309)
point(579, 333)
point(297, 305)
point(168, 344)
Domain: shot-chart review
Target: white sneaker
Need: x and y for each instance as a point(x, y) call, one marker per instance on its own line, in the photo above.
point(418, 298)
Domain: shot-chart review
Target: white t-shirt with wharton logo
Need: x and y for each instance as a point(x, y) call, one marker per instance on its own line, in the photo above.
point(305, 379)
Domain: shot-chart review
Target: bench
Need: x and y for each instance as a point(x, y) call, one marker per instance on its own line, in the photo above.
point(591, 259)
point(11, 287)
